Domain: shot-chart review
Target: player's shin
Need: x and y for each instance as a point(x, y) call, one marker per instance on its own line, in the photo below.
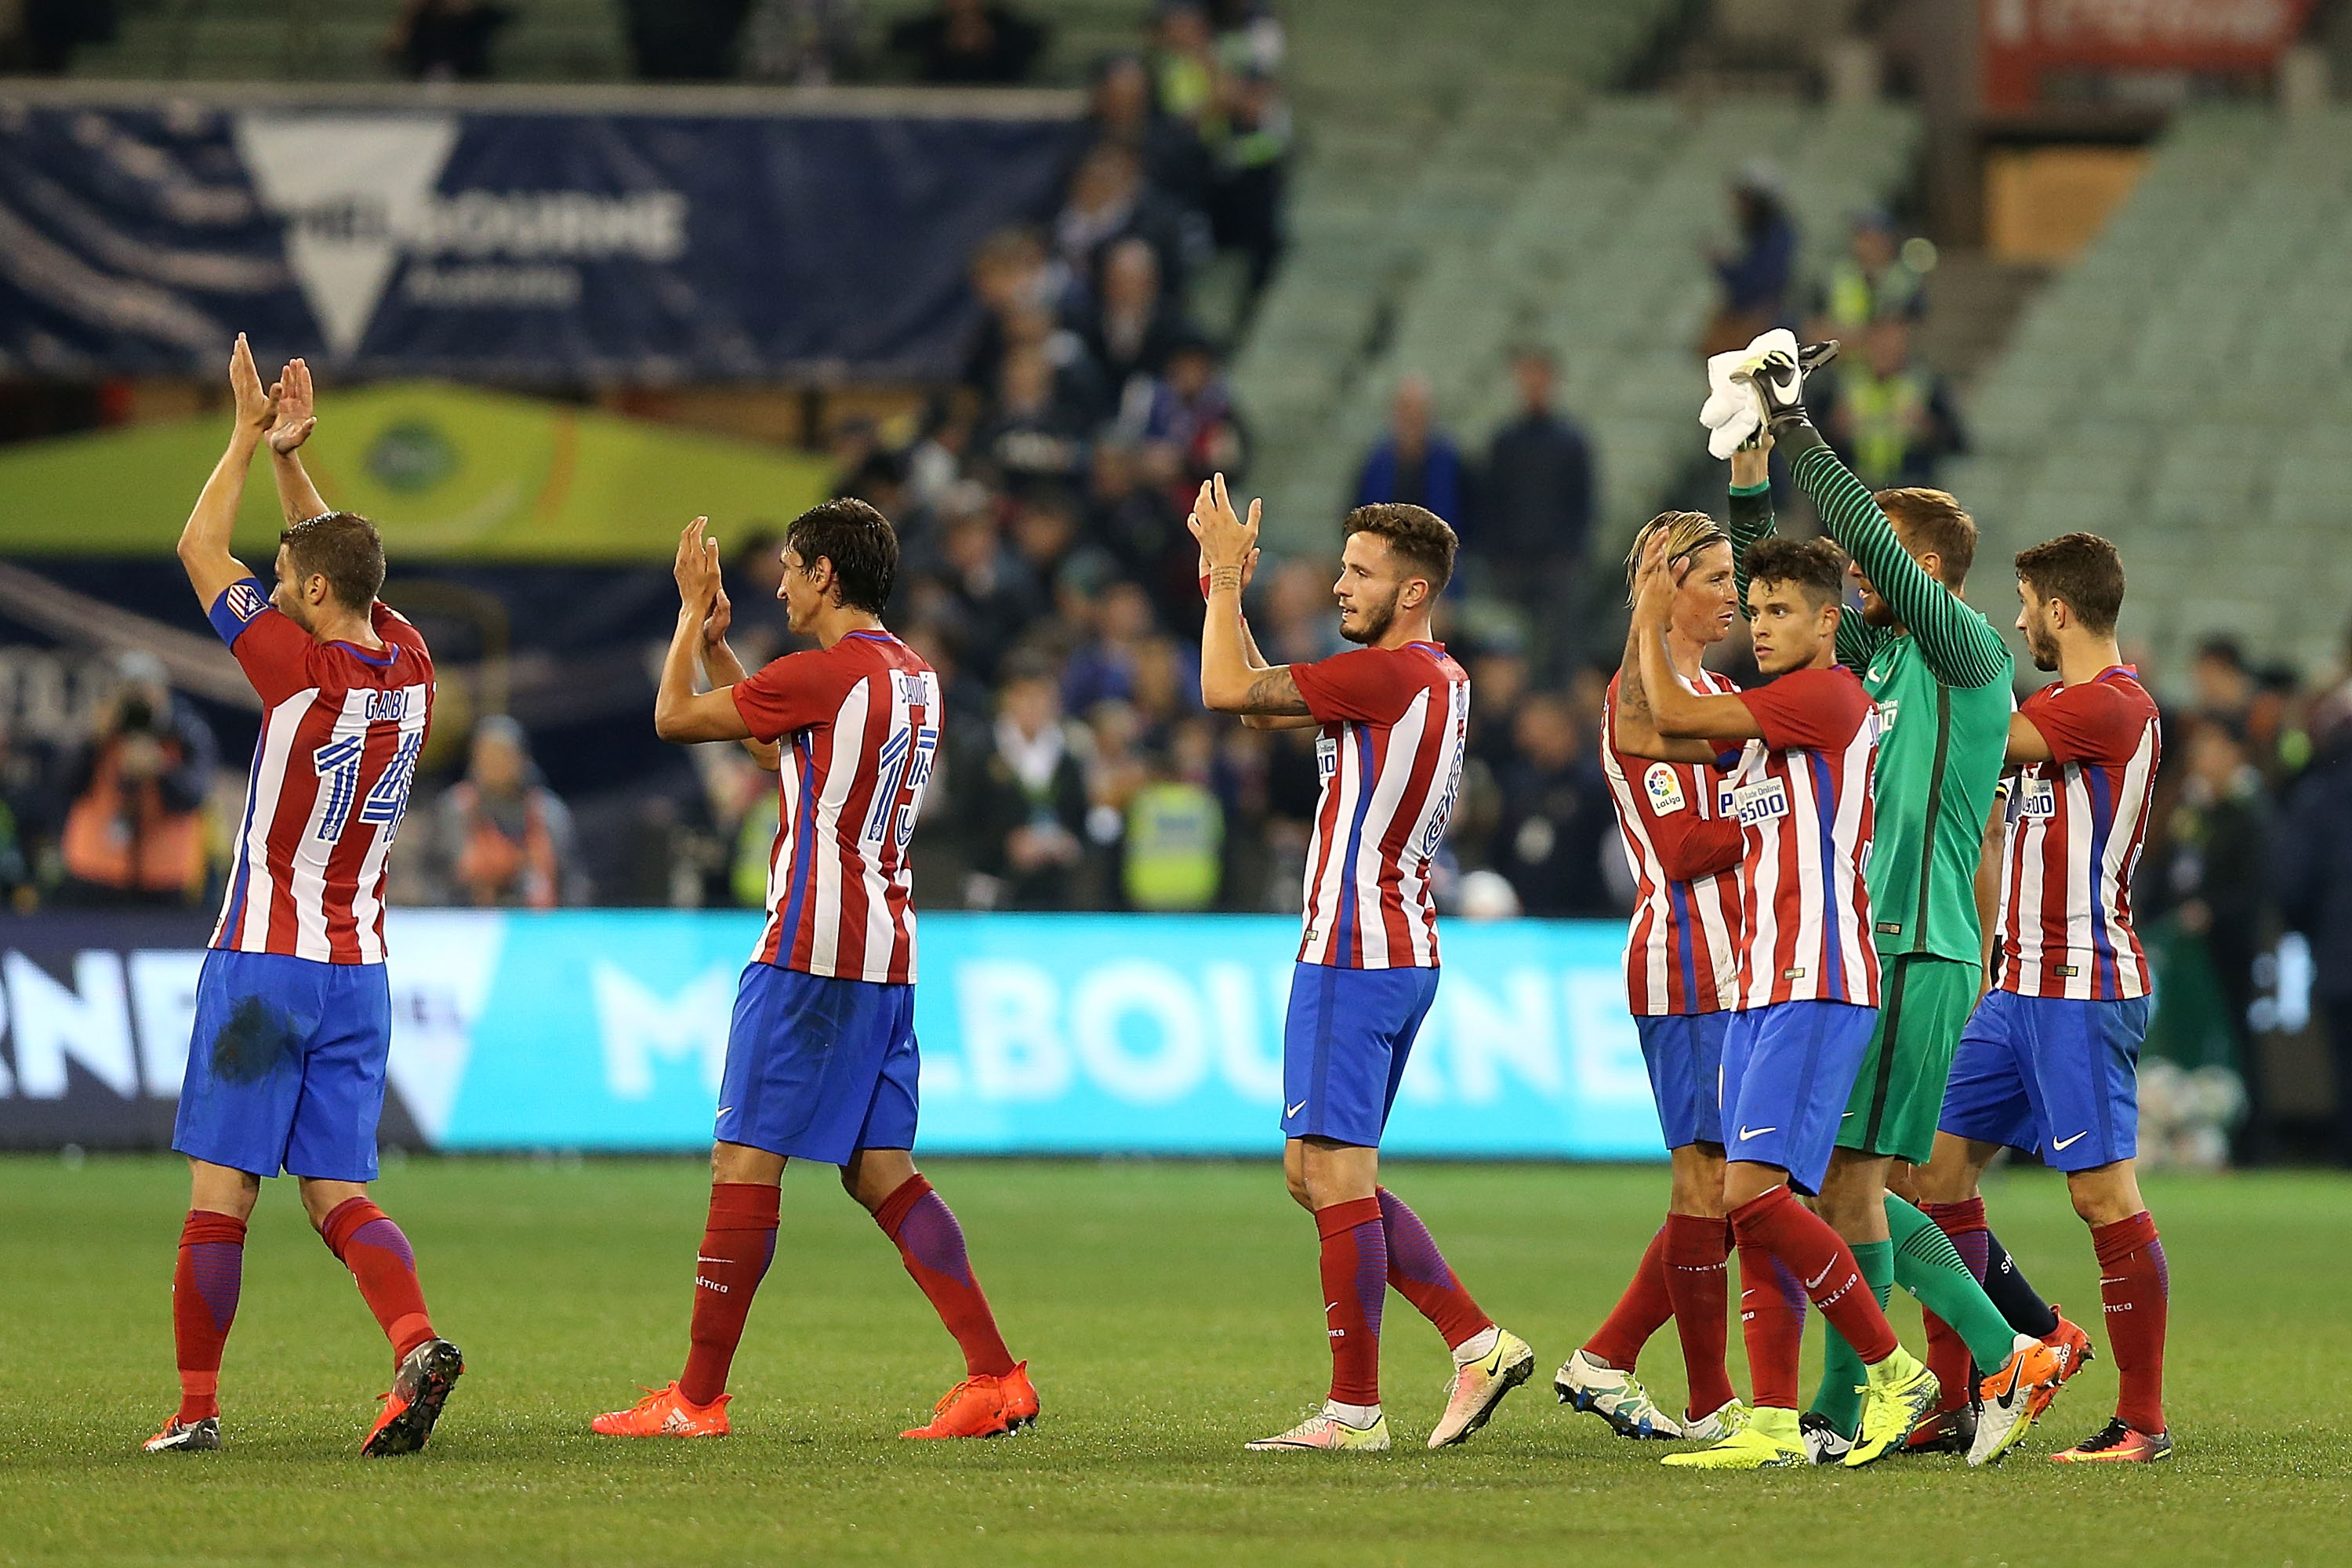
point(931, 1243)
point(1838, 1400)
point(204, 1288)
point(1639, 1313)
point(1421, 1275)
point(1929, 1266)
point(1773, 1323)
point(2137, 1287)
point(1698, 1285)
point(1355, 1269)
point(738, 1241)
point(1821, 1262)
point(368, 1244)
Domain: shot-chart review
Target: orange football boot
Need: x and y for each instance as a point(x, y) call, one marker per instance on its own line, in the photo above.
point(665, 1413)
point(2118, 1444)
point(983, 1407)
point(2074, 1352)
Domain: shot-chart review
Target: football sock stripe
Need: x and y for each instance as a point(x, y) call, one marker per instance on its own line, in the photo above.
point(1839, 1398)
point(1930, 1267)
point(931, 1244)
point(1421, 1275)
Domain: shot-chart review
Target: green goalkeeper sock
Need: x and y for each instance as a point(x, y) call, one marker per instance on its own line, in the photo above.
point(1927, 1265)
point(1839, 1398)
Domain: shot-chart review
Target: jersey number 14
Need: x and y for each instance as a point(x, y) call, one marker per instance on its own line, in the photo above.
point(338, 764)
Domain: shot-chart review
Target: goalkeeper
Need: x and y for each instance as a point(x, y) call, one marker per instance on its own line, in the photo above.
point(1940, 675)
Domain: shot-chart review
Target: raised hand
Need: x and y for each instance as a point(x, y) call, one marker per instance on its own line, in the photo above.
point(296, 409)
point(1654, 583)
point(696, 569)
point(721, 615)
point(257, 409)
point(1225, 539)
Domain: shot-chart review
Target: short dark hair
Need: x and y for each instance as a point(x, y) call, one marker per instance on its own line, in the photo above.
point(1417, 534)
point(1817, 566)
point(2222, 648)
point(1936, 524)
point(342, 547)
point(858, 540)
point(2083, 570)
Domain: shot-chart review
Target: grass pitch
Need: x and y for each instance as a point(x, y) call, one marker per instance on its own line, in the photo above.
point(1170, 1313)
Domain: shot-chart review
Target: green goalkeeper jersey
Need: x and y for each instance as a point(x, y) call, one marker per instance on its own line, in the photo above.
point(1942, 686)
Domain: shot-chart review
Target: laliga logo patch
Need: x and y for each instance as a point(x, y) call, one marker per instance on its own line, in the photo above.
point(1665, 787)
point(246, 601)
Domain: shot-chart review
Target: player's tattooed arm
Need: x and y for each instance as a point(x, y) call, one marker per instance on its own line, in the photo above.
point(297, 417)
point(204, 542)
point(1233, 678)
point(680, 711)
point(1649, 687)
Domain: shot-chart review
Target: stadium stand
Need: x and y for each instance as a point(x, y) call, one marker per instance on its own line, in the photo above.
point(2222, 288)
point(1538, 215)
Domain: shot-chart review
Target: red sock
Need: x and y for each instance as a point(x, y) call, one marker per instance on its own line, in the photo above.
point(204, 1289)
point(1697, 1286)
point(1772, 1322)
point(1947, 1353)
point(1641, 1312)
point(2137, 1288)
point(1355, 1284)
point(1823, 1264)
point(375, 1252)
point(738, 1241)
point(931, 1243)
point(1419, 1272)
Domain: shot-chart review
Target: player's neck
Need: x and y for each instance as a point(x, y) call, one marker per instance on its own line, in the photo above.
point(1405, 630)
point(348, 626)
point(2083, 659)
point(1688, 653)
point(833, 624)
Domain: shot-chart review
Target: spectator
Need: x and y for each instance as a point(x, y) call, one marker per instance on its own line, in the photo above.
point(1536, 507)
point(446, 40)
point(1011, 274)
point(1142, 529)
point(1187, 423)
point(2313, 872)
point(992, 596)
point(1028, 809)
point(1755, 277)
point(1109, 202)
point(48, 31)
point(2214, 881)
point(1123, 112)
point(808, 43)
point(1872, 280)
point(1299, 626)
point(1416, 462)
point(1891, 418)
point(1133, 329)
point(506, 837)
point(2225, 685)
point(1175, 829)
point(1038, 433)
point(134, 824)
point(970, 43)
point(1253, 159)
point(1103, 669)
point(1556, 815)
point(684, 40)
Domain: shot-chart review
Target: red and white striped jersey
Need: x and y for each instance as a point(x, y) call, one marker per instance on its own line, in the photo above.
point(2076, 827)
point(1802, 797)
point(1395, 722)
point(1682, 946)
point(341, 728)
point(864, 720)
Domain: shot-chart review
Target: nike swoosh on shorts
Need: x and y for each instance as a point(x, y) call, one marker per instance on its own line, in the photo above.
point(2062, 1145)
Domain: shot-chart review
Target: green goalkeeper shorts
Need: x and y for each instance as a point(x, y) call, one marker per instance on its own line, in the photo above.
point(1924, 1003)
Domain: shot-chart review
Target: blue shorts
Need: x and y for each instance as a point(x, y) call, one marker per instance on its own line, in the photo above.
point(1345, 1042)
point(1684, 1055)
point(286, 1066)
point(2055, 1075)
point(817, 1068)
point(1787, 1071)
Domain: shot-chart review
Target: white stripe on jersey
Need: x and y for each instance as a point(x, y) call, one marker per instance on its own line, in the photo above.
point(1380, 815)
point(367, 903)
point(825, 826)
point(278, 729)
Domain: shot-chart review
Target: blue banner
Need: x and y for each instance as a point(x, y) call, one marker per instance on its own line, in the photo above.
point(1040, 1034)
point(527, 246)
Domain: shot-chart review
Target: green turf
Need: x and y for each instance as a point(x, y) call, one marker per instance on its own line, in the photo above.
point(1169, 1312)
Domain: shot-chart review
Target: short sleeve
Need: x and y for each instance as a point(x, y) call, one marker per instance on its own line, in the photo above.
point(1360, 686)
point(1808, 710)
point(2097, 722)
point(789, 694)
point(274, 651)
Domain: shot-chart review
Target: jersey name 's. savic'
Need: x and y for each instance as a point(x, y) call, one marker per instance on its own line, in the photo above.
point(863, 719)
point(1395, 728)
point(1682, 846)
point(342, 729)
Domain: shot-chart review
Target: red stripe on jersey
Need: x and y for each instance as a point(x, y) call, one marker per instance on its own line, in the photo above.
point(1682, 945)
point(863, 717)
point(2076, 829)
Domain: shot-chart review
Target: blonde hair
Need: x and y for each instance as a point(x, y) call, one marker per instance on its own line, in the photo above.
point(1687, 533)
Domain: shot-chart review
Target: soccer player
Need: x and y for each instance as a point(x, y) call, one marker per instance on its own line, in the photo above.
point(821, 1056)
point(1808, 980)
point(293, 1019)
point(1939, 677)
point(1682, 957)
point(1393, 714)
point(2050, 1060)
